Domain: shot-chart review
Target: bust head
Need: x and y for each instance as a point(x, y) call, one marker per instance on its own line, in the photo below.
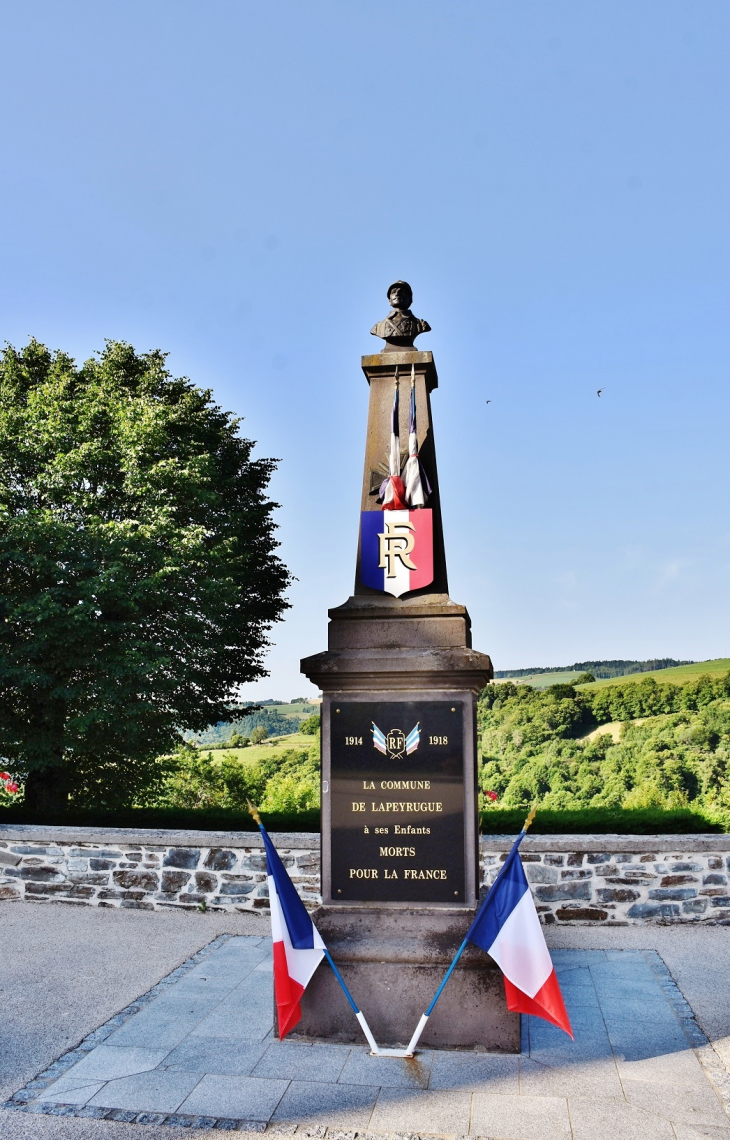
point(400, 327)
point(400, 295)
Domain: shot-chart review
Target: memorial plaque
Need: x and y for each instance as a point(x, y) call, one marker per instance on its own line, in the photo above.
point(397, 794)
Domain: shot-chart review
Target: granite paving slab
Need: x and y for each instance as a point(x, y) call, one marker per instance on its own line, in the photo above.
point(408, 1110)
point(236, 1097)
point(71, 1090)
point(475, 1072)
point(364, 1069)
point(296, 1060)
point(700, 1132)
point(107, 1062)
point(215, 1055)
point(198, 1052)
point(616, 1121)
point(521, 1117)
point(344, 1106)
point(158, 1091)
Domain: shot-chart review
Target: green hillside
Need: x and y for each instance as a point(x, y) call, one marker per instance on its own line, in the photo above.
point(543, 680)
point(676, 676)
point(277, 719)
point(275, 747)
point(635, 744)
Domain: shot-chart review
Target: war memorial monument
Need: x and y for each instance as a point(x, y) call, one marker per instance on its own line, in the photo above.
point(400, 679)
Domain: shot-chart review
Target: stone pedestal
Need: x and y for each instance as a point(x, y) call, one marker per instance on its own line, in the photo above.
point(399, 798)
point(393, 963)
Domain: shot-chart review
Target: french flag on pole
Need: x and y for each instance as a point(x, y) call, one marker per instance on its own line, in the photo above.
point(508, 928)
point(298, 946)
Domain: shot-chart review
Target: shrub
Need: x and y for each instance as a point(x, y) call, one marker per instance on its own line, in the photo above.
point(281, 781)
point(310, 726)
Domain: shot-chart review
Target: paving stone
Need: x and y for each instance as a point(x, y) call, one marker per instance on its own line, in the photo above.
point(686, 1105)
point(158, 1091)
point(220, 1056)
point(295, 1060)
point(663, 1079)
point(247, 1012)
point(107, 1062)
point(154, 1032)
point(344, 1106)
point(388, 1072)
point(68, 1091)
point(677, 1069)
point(442, 1110)
point(475, 1072)
point(521, 1117)
point(701, 1132)
point(237, 1097)
point(597, 1078)
point(615, 1120)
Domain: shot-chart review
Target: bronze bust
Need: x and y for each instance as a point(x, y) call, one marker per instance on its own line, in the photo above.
point(400, 328)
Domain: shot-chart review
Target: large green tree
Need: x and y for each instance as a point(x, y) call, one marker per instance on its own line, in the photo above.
point(138, 573)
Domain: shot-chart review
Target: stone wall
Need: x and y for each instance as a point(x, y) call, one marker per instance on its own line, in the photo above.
point(150, 870)
point(598, 879)
point(622, 880)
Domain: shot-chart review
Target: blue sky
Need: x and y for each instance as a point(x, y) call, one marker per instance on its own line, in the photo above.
point(237, 184)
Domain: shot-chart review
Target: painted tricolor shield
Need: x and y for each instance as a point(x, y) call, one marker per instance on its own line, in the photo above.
point(396, 550)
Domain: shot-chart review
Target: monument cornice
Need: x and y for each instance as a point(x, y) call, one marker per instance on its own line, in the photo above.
point(433, 669)
point(379, 364)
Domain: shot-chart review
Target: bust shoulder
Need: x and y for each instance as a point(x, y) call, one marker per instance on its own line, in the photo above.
point(400, 328)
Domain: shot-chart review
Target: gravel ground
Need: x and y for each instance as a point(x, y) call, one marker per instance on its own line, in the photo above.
point(65, 970)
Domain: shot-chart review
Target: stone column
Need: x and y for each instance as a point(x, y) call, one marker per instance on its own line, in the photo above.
point(399, 831)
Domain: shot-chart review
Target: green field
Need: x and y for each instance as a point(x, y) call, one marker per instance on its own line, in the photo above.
point(294, 710)
point(543, 680)
point(677, 676)
point(270, 748)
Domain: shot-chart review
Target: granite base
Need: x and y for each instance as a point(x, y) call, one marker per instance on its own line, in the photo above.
point(393, 961)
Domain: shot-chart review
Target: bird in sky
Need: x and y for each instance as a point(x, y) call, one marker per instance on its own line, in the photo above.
point(489, 401)
point(598, 393)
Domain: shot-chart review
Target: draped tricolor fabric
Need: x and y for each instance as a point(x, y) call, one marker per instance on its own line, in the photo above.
point(392, 492)
point(298, 946)
point(417, 486)
point(508, 928)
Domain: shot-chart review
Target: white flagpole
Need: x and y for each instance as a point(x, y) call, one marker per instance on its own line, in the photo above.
point(358, 1013)
point(425, 1016)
